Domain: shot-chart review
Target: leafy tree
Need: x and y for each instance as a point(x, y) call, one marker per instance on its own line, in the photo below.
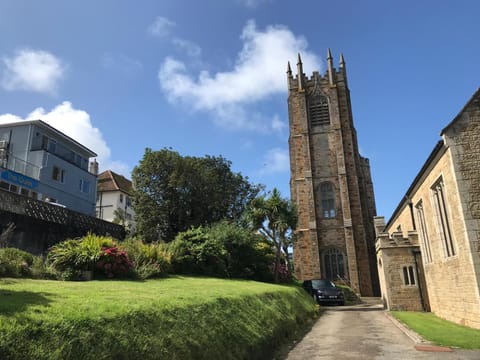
point(119, 216)
point(275, 218)
point(174, 193)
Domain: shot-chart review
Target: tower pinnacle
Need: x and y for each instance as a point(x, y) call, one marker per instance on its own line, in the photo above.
point(300, 72)
point(330, 66)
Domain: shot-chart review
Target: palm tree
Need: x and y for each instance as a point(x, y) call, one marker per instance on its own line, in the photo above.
point(274, 218)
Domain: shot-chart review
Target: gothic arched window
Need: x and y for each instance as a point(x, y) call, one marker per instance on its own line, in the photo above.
point(334, 264)
point(327, 200)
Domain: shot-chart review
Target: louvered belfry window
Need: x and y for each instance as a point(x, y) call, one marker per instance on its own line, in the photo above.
point(318, 108)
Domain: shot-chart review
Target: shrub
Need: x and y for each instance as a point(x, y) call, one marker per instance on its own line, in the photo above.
point(248, 255)
point(148, 260)
point(223, 250)
point(113, 262)
point(348, 293)
point(15, 263)
point(72, 256)
point(284, 274)
point(196, 252)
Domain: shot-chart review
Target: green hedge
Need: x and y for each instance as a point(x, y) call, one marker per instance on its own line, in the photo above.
point(179, 318)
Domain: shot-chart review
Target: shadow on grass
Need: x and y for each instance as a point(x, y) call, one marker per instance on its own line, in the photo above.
point(13, 302)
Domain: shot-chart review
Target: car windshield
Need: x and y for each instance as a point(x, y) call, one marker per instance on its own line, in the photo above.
point(320, 284)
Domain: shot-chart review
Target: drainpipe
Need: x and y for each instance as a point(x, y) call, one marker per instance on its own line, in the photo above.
point(422, 301)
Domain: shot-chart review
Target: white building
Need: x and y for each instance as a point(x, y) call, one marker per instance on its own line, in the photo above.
point(113, 199)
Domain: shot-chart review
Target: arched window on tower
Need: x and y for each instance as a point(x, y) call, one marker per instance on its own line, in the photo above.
point(319, 113)
point(327, 200)
point(334, 264)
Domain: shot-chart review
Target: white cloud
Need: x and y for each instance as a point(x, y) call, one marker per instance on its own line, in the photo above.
point(275, 161)
point(76, 124)
point(190, 47)
point(32, 70)
point(121, 63)
point(161, 27)
point(259, 72)
point(277, 124)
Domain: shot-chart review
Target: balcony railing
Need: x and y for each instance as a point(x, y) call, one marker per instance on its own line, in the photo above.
point(20, 166)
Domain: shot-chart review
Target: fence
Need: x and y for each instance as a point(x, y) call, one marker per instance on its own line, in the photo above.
point(39, 225)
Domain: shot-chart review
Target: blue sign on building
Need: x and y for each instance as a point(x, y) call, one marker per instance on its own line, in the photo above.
point(19, 179)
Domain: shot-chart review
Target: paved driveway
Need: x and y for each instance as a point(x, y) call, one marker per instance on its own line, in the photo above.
point(363, 332)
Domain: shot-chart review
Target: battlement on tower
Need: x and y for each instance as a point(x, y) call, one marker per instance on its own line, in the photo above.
point(331, 77)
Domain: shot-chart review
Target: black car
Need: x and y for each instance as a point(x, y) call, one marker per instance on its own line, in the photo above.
point(324, 291)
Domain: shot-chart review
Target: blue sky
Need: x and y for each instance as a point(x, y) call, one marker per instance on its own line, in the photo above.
point(208, 77)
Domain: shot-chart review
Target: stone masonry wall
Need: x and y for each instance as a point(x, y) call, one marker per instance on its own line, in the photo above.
point(444, 274)
point(393, 254)
point(329, 153)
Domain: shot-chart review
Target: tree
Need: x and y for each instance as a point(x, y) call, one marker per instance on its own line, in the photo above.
point(173, 193)
point(119, 216)
point(275, 218)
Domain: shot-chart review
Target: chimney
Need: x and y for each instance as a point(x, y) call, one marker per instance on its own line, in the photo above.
point(93, 168)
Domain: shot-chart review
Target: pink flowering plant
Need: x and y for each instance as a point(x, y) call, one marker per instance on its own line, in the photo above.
point(113, 262)
point(284, 274)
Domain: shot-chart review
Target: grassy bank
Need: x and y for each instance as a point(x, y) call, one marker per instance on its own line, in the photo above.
point(174, 318)
point(439, 331)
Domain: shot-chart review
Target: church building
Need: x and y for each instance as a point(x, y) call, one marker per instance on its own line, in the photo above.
point(429, 251)
point(330, 182)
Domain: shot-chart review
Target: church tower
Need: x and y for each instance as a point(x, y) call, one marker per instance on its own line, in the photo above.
point(330, 182)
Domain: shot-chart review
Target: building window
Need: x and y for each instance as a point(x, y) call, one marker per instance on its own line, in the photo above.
point(84, 186)
point(128, 201)
point(327, 199)
point(422, 229)
point(121, 198)
point(334, 264)
point(4, 185)
point(438, 192)
point(408, 275)
point(52, 146)
point(318, 108)
point(58, 174)
point(24, 192)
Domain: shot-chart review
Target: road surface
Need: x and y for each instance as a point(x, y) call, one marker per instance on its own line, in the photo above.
point(363, 331)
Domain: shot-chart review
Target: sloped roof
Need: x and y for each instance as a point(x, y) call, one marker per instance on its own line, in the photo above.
point(475, 98)
point(433, 156)
point(110, 181)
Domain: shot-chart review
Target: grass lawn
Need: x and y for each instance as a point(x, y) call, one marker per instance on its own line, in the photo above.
point(439, 331)
point(174, 318)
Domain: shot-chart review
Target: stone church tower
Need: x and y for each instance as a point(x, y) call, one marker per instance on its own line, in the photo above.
point(330, 182)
